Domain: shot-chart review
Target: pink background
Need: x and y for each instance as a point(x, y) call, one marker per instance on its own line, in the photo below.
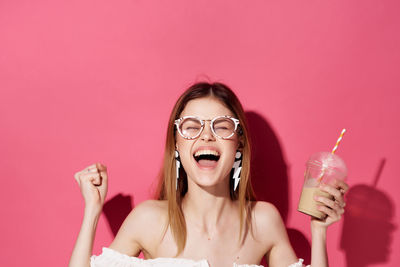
point(86, 81)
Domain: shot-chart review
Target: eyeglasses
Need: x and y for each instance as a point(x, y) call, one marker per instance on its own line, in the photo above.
point(190, 127)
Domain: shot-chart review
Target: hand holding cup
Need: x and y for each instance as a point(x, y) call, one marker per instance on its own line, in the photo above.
point(332, 207)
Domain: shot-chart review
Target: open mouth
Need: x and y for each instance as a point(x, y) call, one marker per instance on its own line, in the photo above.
point(206, 158)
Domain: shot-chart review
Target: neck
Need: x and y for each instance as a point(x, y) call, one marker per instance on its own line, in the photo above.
point(207, 206)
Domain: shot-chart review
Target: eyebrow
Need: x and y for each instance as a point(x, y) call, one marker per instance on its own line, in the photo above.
point(201, 118)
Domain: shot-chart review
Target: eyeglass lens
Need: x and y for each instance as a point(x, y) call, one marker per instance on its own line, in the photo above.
point(191, 127)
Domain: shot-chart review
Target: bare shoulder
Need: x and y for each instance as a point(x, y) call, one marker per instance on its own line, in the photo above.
point(149, 209)
point(266, 220)
point(265, 212)
point(144, 225)
point(271, 231)
point(146, 217)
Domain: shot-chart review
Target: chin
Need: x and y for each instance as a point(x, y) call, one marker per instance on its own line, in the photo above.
point(209, 181)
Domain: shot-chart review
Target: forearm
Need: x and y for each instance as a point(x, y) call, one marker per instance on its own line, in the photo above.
point(84, 243)
point(319, 256)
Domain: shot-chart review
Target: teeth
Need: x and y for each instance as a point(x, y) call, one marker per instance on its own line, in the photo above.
point(206, 152)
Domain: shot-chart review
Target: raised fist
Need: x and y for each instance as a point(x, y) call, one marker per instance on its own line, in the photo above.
point(93, 184)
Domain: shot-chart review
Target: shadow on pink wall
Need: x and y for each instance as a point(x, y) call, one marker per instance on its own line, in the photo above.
point(116, 210)
point(270, 179)
point(367, 227)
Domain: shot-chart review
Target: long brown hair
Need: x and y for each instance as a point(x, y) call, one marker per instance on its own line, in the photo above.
point(167, 185)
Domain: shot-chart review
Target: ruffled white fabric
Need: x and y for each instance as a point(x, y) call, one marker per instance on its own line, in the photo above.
point(112, 258)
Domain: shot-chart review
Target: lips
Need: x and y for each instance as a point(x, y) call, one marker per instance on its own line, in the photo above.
point(206, 158)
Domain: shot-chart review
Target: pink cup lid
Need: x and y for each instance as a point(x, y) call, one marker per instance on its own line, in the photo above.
point(327, 160)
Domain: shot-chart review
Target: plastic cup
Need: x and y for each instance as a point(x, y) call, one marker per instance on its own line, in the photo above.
point(322, 167)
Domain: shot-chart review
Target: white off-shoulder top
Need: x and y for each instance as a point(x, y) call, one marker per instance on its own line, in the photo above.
point(112, 258)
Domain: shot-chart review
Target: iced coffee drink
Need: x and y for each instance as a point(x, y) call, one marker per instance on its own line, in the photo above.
point(322, 167)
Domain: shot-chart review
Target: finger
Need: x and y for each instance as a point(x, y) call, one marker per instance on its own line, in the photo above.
point(93, 178)
point(96, 180)
point(89, 168)
point(328, 202)
point(342, 186)
point(332, 191)
point(92, 168)
point(330, 212)
point(103, 172)
point(89, 171)
point(78, 175)
point(340, 211)
point(85, 172)
point(101, 167)
point(338, 207)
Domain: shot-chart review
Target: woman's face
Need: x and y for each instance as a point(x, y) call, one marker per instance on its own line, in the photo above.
point(207, 159)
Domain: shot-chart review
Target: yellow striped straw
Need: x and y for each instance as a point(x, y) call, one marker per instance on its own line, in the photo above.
point(333, 152)
point(338, 141)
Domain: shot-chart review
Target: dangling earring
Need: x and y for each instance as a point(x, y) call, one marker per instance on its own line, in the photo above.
point(237, 167)
point(178, 165)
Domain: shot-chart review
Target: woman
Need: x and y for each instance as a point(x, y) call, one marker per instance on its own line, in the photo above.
point(205, 214)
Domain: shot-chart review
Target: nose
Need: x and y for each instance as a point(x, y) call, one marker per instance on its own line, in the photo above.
point(207, 134)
